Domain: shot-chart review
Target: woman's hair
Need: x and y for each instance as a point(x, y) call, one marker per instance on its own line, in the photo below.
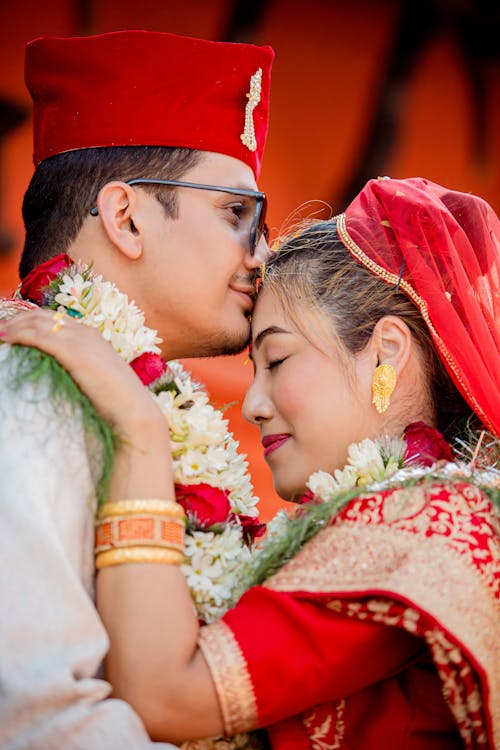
point(64, 189)
point(314, 267)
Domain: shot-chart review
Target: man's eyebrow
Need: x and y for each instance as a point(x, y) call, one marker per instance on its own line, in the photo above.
point(267, 332)
point(245, 186)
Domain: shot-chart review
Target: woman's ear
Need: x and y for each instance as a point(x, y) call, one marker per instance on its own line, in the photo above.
point(392, 342)
point(116, 203)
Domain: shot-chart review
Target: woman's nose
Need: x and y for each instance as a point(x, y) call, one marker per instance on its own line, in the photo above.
point(257, 408)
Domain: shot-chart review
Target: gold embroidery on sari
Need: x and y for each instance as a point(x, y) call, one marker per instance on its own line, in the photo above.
point(323, 733)
point(238, 742)
point(460, 687)
point(436, 547)
point(231, 678)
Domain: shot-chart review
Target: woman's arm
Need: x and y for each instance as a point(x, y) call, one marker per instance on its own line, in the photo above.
point(154, 662)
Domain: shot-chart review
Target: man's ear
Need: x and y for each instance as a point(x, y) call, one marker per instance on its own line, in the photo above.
point(116, 204)
point(392, 342)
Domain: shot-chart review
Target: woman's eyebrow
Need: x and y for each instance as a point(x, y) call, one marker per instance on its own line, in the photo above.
point(267, 332)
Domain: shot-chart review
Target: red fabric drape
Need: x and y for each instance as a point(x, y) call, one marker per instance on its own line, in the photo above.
point(442, 248)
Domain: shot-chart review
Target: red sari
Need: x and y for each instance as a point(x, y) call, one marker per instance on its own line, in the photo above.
point(383, 632)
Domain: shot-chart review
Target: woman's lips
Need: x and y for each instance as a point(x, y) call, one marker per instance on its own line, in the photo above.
point(273, 442)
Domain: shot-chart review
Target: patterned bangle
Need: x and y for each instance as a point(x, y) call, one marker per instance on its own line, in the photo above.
point(138, 555)
point(134, 507)
point(145, 530)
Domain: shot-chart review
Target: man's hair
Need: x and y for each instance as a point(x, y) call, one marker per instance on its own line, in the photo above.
point(64, 189)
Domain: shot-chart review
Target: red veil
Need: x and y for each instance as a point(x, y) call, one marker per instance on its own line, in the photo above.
point(441, 248)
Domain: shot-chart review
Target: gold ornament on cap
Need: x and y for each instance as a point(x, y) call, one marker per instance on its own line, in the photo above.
point(383, 384)
point(248, 136)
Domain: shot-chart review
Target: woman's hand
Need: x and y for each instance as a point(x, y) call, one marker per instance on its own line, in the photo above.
point(106, 379)
point(142, 467)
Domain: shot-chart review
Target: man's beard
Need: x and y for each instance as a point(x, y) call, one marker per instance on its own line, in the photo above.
point(195, 342)
point(220, 343)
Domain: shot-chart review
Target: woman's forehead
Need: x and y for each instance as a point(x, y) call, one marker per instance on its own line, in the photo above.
point(275, 310)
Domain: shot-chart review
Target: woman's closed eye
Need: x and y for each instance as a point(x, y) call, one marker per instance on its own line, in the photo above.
point(273, 364)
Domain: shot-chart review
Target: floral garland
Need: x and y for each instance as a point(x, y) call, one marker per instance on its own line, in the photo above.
point(211, 479)
point(421, 455)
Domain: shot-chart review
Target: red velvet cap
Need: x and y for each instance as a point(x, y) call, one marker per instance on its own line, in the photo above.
point(147, 88)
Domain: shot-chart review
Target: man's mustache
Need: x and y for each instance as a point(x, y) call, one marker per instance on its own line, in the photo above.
point(246, 280)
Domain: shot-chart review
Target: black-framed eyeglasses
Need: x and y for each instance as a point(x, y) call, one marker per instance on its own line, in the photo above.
point(256, 224)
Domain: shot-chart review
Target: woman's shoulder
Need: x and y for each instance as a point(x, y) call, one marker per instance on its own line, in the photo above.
point(445, 517)
point(449, 508)
point(428, 496)
point(387, 541)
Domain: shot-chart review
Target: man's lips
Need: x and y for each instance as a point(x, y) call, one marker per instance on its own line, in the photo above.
point(273, 442)
point(245, 293)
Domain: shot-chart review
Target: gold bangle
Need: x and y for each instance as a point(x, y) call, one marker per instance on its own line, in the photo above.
point(133, 507)
point(138, 555)
point(135, 530)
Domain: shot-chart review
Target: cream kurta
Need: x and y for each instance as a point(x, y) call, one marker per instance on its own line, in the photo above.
point(52, 641)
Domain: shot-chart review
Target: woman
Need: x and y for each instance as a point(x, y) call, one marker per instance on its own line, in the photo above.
point(381, 631)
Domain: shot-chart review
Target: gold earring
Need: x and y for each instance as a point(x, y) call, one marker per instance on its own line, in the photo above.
point(383, 384)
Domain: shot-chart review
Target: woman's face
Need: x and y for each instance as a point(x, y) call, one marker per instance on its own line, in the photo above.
point(308, 403)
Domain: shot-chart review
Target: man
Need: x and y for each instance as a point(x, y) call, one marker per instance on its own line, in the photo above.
point(115, 117)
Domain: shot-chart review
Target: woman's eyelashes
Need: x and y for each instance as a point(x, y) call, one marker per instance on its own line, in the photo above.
point(273, 364)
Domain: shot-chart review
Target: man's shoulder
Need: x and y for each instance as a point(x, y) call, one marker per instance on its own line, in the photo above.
point(43, 437)
point(27, 394)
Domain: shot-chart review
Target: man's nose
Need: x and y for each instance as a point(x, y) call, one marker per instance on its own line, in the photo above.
point(260, 255)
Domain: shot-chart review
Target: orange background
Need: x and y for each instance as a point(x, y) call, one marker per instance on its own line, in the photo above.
point(359, 89)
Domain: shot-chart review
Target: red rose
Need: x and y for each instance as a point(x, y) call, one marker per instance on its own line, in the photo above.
point(307, 497)
point(425, 445)
point(251, 526)
point(37, 281)
point(149, 367)
point(205, 505)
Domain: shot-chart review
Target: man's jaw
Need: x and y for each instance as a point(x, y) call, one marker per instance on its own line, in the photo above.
point(222, 342)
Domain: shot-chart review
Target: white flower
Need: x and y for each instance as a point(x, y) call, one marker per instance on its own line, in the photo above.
point(101, 305)
point(321, 484)
point(366, 458)
point(210, 566)
point(71, 291)
point(346, 478)
point(277, 525)
point(369, 463)
point(325, 485)
point(114, 305)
